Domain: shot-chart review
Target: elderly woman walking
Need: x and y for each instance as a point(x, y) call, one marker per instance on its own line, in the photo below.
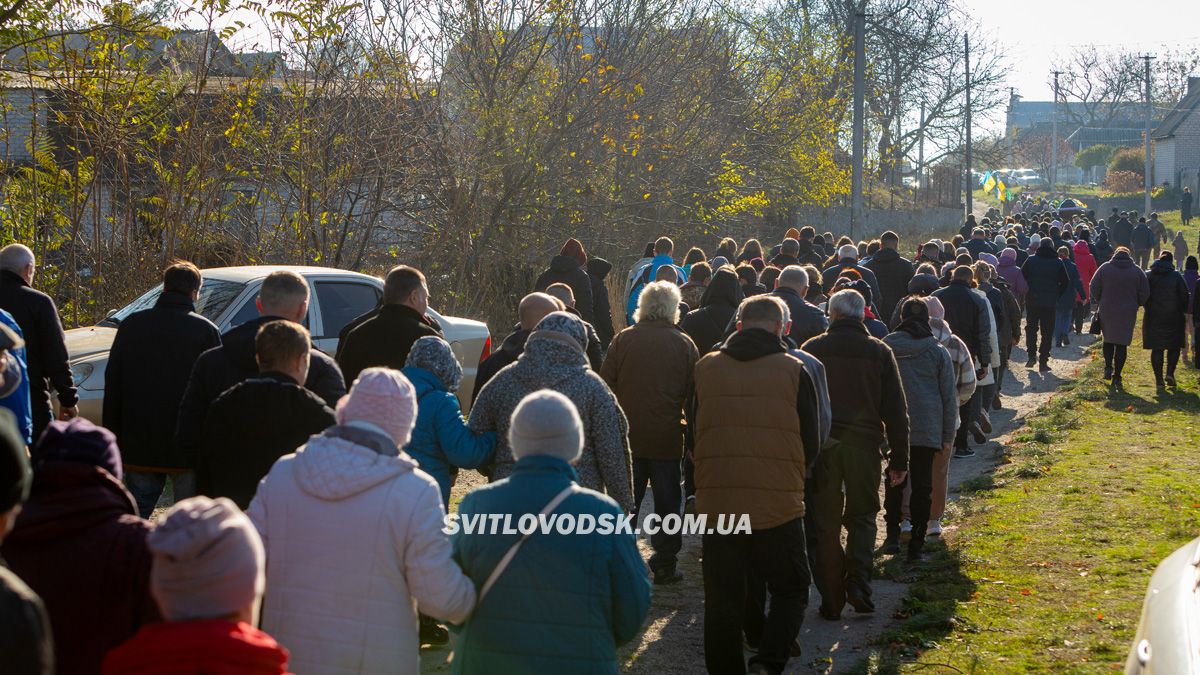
point(965, 384)
point(548, 602)
point(554, 359)
point(1119, 288)
point(1164, 325)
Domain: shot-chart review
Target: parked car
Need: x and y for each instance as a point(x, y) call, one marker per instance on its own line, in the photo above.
point(227, 298)
point(1168, 636)
point(1025, 177)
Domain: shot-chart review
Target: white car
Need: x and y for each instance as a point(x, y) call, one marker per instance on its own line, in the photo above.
point(227, 298)
point(1168, 637)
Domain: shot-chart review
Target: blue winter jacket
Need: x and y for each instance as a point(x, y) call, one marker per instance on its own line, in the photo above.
point(647, 276)
point(566, 601)
point(18, 401)
point(441, 438)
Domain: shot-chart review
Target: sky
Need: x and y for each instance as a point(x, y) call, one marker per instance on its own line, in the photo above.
point(1037, 32)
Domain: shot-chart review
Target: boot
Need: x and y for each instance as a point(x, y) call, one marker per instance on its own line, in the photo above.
point(1108, 371)
point(433, 633)
point(891, 542)
point(1044, 367)
point(1031, 362)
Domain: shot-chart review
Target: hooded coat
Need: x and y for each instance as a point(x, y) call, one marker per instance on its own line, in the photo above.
point(80, 545)
point(1086, 263)
point(1047, 278)
point(706, 325)
point(353, 534)
point(591, 591)
point(893, 273)
point(597, 270)
point(930, 388)
point(960, 356)
point(1120, 288)
point(1163, 326)
point(568, 268)
point(553, 359)
point(215, 647)
point(967, 314)
point(1011, 271)
point(441, 439)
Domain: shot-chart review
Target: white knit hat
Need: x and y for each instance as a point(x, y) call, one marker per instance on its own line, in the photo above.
point(546, 423)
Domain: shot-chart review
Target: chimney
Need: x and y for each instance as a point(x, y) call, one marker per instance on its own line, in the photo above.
point(1193, 85)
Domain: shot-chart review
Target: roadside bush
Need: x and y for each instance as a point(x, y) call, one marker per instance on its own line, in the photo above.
point(1123, 182)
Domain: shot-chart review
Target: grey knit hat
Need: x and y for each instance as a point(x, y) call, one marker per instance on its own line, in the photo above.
point(557, 325)
point(546, 423)
point(433, 354)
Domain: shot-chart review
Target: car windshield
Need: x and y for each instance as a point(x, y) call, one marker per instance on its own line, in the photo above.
point(215, 296)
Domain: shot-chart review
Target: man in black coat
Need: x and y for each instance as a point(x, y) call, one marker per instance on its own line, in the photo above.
point(810, 253)
point(807, 320)
point(1048, 279)
point(848, 258)
point(45, 342)
point(149, 364)
point(261, 419)
point(533, 308)
point(892, 272)
point(1122, 231)
point(284, 295)
point(384, 339)
point(978, 243)
point(597, 270)
point(789, 252)
point(569, 267)
point(967, 314)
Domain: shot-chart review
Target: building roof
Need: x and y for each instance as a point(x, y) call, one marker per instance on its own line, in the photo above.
point(1089, 136)
point(1178, 114)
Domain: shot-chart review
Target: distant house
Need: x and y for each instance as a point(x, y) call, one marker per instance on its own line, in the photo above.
point(1177, 142)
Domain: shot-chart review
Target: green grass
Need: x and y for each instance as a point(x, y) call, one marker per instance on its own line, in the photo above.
point(1050, 562)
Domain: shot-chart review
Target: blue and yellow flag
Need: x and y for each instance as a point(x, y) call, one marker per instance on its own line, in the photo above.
point(989, 183)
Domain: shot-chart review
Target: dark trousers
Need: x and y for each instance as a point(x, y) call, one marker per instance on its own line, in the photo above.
point(778, 557)
point(1156, 362)
point(857, 467)
point(920, 478)
point(41, 418)
point(1039, 319)
point(1114, 356)
point(663, 476)
point(968, 414)
point(689, 475)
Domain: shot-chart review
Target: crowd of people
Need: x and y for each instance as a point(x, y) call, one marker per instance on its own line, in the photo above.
point(791, 385)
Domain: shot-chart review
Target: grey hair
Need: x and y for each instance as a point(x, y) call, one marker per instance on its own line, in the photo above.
point(848, 251)
point(847, 304)
point(793, 276)
point(562, 292)
point(15, 258)
point(659, 301)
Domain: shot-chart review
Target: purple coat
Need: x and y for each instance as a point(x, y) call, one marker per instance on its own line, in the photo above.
point(1120, 288)
point(1012, 274)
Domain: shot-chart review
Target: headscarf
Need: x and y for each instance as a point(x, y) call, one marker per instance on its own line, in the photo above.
point(432, 353)
point(914, 319)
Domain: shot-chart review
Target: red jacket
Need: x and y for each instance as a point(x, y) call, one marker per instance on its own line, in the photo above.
point(1086, 263)
point(216, 647)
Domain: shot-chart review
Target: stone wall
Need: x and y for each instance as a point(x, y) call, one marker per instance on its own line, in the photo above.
point(836, 219)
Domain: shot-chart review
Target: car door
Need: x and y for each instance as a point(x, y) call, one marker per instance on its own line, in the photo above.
point(247, 309)
point(341, 301)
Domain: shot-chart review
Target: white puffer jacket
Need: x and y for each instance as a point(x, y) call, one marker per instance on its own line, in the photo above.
point(354, 545)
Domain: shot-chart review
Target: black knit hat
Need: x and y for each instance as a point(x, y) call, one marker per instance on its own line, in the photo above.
point(15, 474)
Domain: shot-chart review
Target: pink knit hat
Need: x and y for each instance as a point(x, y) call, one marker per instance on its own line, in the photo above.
point(383, 398)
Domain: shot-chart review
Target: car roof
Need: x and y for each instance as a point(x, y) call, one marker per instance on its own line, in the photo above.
point(247, 273)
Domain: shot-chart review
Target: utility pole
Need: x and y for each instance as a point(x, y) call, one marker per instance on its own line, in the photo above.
point(856, 168)
point(921, 150)
point(1008, 131)
point(970, 178)
point(1054, 138)
point(1149, 112)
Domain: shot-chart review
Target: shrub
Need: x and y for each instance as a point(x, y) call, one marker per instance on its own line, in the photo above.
point(1128, 159)
point(1123, 182)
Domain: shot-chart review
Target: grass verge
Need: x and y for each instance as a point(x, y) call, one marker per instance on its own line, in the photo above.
point(1049, 560)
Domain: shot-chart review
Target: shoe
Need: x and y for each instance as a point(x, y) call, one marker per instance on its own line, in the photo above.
point(977, 434)
point(1031, 362)
point(1044, 367)
point(1116, 381)
point(689, 505)
point(433, 633)
point(1066, 340)
point(934, 529)
point(964, 452)
point(905, 528)
point(667, 576)
point(828, 614)
point(996, 404)
point(1170, 380)
point(795, 650)
point(861, 604)
point(1108, 374)
point(985, 423)
point(891, 546)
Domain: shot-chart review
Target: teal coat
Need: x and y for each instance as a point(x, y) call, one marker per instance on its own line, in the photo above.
point(565, 602)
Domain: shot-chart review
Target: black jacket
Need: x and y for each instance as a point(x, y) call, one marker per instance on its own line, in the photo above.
point(597, 270)
point(977, 246)
point(967, 315)
point(1122, 232)
point(219, 369)
point(811, 255)
point(893, 273)
point(148, 369)
point(808, 321)
point(781, 261)
point(706, 325)
point(1163, 324)
point(383, 340)
point(509, 351)
point(1047, 278)
point(830, 274)
point(594, 352)
point(26, 646)
point(1143, 237)
point(45, 343)
point(566, 270)
point(249, 427)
